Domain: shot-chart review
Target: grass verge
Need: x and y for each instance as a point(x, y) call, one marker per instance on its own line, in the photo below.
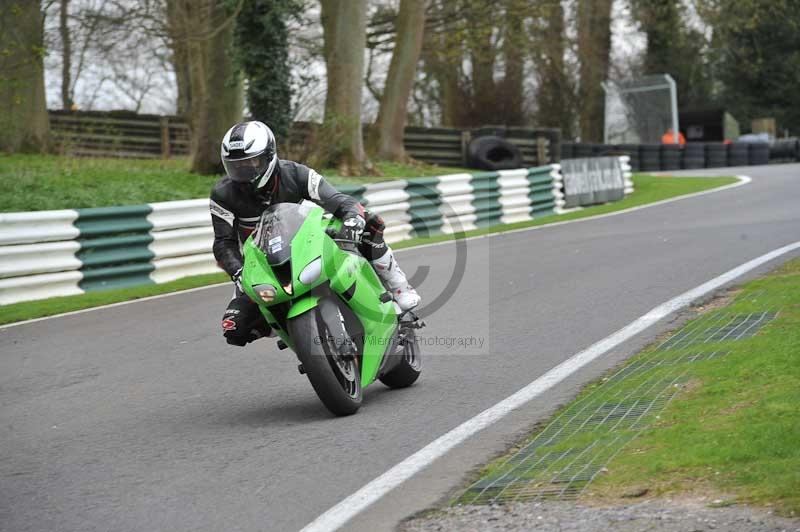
point(27, 310)
point(47, 182)
point(730, 432)
point(648, 190)
point(737, 430)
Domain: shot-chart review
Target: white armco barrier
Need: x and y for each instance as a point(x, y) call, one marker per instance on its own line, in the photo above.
point(390, 200)
point(458, 211)
point(167, 270)
point(41, 286)
point(37, 226)
point(182, 242)
point(514, 195)
point(179, 214)
point(30, 259)
point(625, 166)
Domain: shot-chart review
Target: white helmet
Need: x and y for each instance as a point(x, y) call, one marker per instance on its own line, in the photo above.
point(249, 153)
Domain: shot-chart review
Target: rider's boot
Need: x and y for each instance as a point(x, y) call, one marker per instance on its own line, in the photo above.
point(395, 281)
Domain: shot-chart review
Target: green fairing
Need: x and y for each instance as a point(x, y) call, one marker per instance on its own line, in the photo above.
point(340, 270)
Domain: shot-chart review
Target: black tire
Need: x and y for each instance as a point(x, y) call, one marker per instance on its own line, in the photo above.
point(737, 154)
point(716, 155)
point(408, 371)
point(758, 153)
point(671, 157)
point(317, 352)
point(493, 153)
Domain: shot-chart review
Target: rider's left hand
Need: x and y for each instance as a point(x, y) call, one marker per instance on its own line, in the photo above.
point(352, 228)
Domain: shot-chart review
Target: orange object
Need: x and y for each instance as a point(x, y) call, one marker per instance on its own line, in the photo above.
point(668, 138)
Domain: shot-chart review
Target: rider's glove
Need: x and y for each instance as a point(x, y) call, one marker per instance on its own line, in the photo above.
point(237, 280)
point(352, 228)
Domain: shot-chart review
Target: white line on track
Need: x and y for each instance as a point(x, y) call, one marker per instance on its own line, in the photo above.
point(342, 512)
point(743, 180)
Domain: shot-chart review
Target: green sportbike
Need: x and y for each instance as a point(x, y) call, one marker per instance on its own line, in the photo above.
point(326, 303)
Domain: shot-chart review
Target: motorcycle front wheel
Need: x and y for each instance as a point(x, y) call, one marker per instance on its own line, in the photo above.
point(328, 357)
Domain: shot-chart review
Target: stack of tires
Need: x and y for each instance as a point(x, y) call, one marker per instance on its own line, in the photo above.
point(582, 149)
point(694, 155)
point(758, 153)
point(671, 157)
point(782, 151)
point(738, 154)
point(650, 157)
point(716, 155)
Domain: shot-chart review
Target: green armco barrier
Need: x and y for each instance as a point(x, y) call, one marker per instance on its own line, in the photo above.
point(102, 221)
point(114, 244)
point(424, 201)
point(486, 190)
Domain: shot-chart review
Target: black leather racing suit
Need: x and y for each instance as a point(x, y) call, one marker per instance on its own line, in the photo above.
point(236, 209)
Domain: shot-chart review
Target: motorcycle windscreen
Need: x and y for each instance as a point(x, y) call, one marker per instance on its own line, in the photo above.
point(276, 229)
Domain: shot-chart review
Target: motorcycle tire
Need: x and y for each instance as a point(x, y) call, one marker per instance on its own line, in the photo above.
point(337, 386)
point(408, 370)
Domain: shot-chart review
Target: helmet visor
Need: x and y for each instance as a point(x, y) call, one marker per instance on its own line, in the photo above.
point(247, 170)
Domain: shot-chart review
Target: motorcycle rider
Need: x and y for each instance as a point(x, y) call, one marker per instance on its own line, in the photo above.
point(255, 179)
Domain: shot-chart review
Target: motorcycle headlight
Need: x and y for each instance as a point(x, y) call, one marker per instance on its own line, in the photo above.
point(266, 292)
point(311, 272)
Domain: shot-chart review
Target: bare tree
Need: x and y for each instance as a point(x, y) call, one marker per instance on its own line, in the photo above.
point(392, 114)
point(342, 145)
point(24, 124)
point(66, 52)
point(594, 47)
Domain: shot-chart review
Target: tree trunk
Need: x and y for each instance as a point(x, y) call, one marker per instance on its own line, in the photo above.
point(442, 60)
point(554, 96)
point(206, 30)
point(594, 46)
point(24, 124)
point(180, 61)
point(66, 56)
point(341, 144)
point(392, 114)
point(514, 47)
point(482, 55)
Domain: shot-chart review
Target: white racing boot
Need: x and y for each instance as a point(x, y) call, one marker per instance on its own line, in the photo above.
point(395, 281)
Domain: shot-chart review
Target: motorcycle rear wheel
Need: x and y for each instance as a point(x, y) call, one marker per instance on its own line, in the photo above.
point(332, 370)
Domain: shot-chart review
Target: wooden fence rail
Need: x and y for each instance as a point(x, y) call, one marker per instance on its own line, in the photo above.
point(123, 134)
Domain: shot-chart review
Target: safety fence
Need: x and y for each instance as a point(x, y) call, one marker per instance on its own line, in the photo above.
point(57, 253)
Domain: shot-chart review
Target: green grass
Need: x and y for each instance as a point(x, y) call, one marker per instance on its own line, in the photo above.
point(27, 310)
point(648, 190)
point(46, 182)
point(730, 434)
point(738, 429)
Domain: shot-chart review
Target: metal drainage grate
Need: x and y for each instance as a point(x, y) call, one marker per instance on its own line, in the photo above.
point(597, 428)
point(561, 460)
point(719, 327)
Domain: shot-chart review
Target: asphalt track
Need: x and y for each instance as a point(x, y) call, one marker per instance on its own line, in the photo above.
point(139, 417)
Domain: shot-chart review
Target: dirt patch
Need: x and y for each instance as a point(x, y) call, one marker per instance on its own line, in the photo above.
point(658, 515)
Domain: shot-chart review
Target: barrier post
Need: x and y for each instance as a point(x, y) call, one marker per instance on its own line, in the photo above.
point(466, 137)
point(165, 147)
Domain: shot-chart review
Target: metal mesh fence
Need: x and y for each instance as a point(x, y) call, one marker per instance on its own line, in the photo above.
point(560, 461)
point(639, 111)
